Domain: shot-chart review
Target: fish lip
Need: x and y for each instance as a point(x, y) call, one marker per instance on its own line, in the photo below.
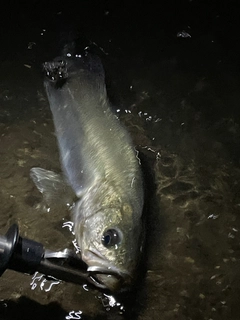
point(99, 266)
point(95, 270)
point(97, 263)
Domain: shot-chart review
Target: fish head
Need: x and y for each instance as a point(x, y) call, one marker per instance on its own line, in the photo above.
point(110, 245)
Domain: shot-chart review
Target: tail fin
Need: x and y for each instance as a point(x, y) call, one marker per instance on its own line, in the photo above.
point(64, 67)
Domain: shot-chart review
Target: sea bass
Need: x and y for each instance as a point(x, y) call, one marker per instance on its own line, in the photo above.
point(100, 164)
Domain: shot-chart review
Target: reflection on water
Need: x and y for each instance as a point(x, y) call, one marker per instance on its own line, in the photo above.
point(44, 284)
point(180, 104)
point(74, 315)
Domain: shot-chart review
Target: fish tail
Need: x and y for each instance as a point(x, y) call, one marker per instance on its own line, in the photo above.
point(62, 68)
point(56, 71)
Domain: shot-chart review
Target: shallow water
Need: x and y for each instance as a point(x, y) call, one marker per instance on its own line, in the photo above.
point(179, 99)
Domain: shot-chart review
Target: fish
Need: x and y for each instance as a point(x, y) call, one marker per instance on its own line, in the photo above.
point(101, 166)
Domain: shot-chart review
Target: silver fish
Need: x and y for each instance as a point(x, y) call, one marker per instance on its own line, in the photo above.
point(101, 166)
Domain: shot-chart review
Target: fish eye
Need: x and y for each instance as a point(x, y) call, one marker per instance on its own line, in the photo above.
point(111, 237)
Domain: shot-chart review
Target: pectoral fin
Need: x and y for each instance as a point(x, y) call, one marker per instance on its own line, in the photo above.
point(52, 186)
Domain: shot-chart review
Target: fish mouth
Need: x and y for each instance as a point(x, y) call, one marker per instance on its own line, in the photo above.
point(103, 274)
